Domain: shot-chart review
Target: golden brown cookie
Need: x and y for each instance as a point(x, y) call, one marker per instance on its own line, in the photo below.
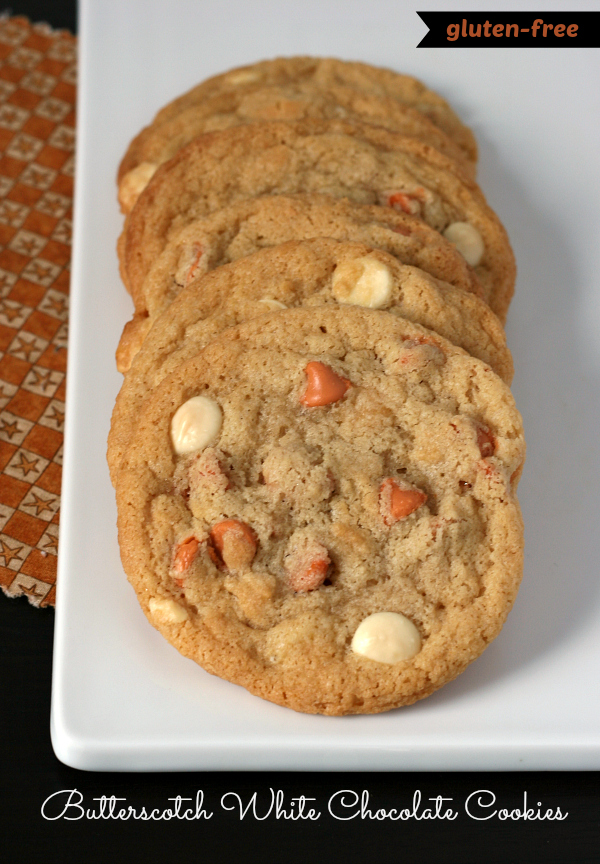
point(246, 226)
point(324, 74)
point(366, 164)
point(320, 507)
point(297, 100)
point(310, 273)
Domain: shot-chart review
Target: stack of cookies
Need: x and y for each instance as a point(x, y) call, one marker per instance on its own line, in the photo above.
point(315, 449)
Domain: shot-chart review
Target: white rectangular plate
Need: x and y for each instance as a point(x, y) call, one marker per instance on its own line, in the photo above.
point(123, 699)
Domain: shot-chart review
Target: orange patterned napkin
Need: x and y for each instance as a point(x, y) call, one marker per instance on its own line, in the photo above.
point(37, 139)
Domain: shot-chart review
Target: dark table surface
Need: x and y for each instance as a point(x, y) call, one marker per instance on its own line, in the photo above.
point(31, 774)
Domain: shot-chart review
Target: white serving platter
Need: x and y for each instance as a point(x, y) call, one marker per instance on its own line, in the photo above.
point(123, 699)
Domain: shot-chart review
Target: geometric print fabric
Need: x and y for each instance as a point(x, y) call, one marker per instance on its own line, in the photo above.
point(38, 68)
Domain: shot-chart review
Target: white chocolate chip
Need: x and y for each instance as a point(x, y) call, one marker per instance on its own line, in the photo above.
point(195, 425)
point(363, 282)
point(467, 240)
point(242, 76)
point(387, 637)
point(133, 184)
point(271, 304)
point(167, 610)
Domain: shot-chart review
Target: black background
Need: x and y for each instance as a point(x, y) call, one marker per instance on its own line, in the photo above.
point(30, 773)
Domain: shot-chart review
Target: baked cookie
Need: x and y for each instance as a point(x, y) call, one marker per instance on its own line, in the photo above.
point(367, 164)
point(159, 142)
point(320, 507)
point(310, 273)
point(324, 74)
point(240, 229)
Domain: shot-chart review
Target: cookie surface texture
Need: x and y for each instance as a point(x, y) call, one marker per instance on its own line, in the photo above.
point(325, 72)
point(310, 273)
point(159, 142)
point(366, 164)
point(314, 75)
point(345, 474)
point(244, 227)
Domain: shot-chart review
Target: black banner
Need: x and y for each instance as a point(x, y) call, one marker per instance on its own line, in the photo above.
point(511, 29)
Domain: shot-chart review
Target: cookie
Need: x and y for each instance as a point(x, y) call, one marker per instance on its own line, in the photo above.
point(320, 507)
point(324, 74)
point(240, 229)
point(310, 273)
point(366, 164)
point(159, 142)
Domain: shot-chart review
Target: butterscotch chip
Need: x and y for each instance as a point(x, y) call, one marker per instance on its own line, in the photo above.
point(235, 543)
point(398, 499)
point(282, 620)
point(337, 158)
point(323, 385)
point(304, 274)
point(306, 564)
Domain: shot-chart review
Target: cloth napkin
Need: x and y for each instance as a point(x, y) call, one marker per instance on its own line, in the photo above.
point(38, 69)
